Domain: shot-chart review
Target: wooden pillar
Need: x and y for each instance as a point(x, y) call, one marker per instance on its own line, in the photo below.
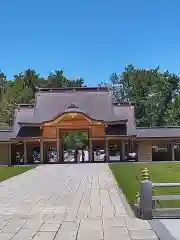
point(42, 151)
point(57, 143)
point(58, 150)
point(122, 150)
point(25, 151)
point(107, 150)
point(128, 146)
point(9, 162)
point(90, 145)
point(172, 150)
point(132, 146)
point(61, 153)
point(90, 150)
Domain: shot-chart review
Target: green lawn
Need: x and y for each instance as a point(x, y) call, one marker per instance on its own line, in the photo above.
point(8, 172)
point(128, 176)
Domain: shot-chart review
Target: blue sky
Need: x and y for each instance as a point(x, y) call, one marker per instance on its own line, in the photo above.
point(89, 39)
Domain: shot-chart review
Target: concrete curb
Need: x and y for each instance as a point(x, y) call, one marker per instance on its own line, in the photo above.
point(160, 230)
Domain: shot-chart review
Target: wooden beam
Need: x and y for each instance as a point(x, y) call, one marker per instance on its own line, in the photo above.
point(42, 151)
point(9, 149)
point(90, 145)
point(25, 151)
point(173, 153)
point(107, 150)
point(123, 150)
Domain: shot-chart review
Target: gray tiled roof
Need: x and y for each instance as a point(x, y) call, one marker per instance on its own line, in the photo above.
point(21, 113)
point(158, 132)
point(5, 135)
point(127, 112)
point(97, 104)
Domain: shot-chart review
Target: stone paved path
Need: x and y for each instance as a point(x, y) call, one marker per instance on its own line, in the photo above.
point(67, 202)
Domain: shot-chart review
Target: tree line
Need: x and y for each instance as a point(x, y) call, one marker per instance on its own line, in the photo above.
point(22, 89)
point(155, 94)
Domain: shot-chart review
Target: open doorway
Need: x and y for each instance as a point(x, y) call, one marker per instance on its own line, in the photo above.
point(17, 153)
point(75, 147)
point(162, 152)
point(99, 150)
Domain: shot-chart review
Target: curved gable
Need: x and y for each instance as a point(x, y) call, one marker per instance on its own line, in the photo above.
point(69, 118)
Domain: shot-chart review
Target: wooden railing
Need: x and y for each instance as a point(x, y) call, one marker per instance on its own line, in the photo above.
point(145, 207)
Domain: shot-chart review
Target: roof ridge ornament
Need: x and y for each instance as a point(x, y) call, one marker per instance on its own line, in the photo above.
point(72, 105)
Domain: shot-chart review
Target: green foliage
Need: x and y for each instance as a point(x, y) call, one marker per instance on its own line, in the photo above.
point(8, 172)
point(154, 93)
point(22, 89)
point(72, 140)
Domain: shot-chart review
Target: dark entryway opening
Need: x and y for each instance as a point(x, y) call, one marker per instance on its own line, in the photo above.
point(17, 153)
point(75, 146)
point(33, 153)
point(115, 150)
point(98, 150)
point(162, 152)
point(177, 152)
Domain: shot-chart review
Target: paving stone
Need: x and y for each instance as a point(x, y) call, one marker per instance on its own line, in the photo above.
point(60, 210)
point(115, 222)
point(59, 217)
point(137, 224)
point(33, 225)
point(23, 234)
point(116, 233)
point(6, 236)
point(90, 234)
point(49, 227)
point(44, 236)
point(70, 200)
point(13, 227)
point(3, 224)
point(5, 217)
point(142, 234)
point(73, 225)
point(46, 217)
point(66, 235)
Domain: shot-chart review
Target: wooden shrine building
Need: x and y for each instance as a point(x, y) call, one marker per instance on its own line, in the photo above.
point(109, 126)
